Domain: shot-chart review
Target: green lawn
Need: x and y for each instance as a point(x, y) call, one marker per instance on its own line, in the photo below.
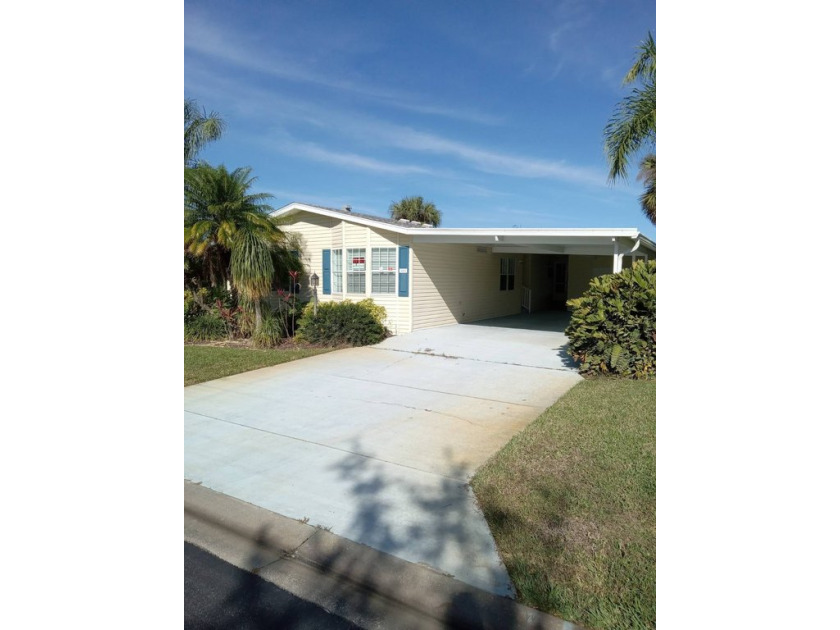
point(204, 363)
point(571, 502)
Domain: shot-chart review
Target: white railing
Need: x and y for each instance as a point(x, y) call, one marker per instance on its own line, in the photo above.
point(526, 299)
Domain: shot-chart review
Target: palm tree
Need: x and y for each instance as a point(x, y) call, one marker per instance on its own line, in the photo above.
point(252, 269)
point(647, 174)
point(633, 124)
point(217, 207)
point(415, 209)
point(199, 130)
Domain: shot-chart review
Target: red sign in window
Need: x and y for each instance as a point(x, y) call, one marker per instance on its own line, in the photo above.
point(358, 260)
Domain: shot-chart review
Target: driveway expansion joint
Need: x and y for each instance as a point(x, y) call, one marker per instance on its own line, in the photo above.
point(450, 356)
point(335, 448)
point(437, 391)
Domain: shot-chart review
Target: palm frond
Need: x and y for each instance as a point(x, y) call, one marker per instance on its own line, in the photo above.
point(416, 209)
point(219, 209)
point(200, 129)
point(645, 65)
point(632, 127)
point(647, 174)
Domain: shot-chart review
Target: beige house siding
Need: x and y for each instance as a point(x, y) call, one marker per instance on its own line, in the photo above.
point(318, 233)
point(448, 283)
point(458, 283)
point(582, 269)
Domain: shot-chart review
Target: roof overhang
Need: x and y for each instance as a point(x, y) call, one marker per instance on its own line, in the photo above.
point(579, 241)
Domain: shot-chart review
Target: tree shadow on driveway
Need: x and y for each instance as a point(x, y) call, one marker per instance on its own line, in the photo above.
point(431, 519)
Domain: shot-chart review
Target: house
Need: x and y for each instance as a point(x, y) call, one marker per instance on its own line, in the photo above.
point(426, 276)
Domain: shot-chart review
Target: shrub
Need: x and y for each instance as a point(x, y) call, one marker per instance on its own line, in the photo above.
point(613, 325)
point(272, 333)
point(341, 323)
point(289, 309)
point(205, 300)
point(378, 311)
point(206, 326)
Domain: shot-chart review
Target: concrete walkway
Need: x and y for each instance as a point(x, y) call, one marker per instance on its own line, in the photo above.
point(377, 444)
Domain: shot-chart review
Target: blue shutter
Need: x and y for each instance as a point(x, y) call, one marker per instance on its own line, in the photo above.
point(402, 271)
point(325, 269)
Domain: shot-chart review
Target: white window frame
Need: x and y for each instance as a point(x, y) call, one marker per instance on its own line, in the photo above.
point(337, 271)
point(386, 271)
point(507, 274)
point(354, 276)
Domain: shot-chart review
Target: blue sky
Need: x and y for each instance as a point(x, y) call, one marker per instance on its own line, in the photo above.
point(492, 110)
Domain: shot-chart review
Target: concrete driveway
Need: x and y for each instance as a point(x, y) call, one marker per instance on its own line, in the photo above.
point(378, 444)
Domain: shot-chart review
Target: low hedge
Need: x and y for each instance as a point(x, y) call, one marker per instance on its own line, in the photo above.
point(343, 323)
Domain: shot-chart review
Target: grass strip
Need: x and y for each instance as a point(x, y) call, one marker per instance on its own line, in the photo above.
point(571, 502)
point(205, 363)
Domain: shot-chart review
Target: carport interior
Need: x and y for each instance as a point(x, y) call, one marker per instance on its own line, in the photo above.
point(550, 280)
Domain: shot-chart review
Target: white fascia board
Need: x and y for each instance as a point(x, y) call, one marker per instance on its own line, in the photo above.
point(647, 243)
point(482, 236)
point(546, 237)
point(490, 233)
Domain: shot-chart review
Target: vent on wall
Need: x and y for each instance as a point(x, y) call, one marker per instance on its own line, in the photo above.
point(482, 250)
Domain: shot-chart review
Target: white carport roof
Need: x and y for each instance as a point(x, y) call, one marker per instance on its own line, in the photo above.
point(579, 241)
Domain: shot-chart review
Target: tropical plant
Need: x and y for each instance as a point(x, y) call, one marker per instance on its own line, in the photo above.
point(613, 325)
point(647, 174)
point(288, 310)
point(415, 209)
point(252, 269)
point(217, 206)
point(228, 229)
point(206, 326)
point(271, 333)
point(207, 306)
point(633, 124)
point(200, 129)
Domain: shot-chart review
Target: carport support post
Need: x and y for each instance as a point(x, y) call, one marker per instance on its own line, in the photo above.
point(617, 256)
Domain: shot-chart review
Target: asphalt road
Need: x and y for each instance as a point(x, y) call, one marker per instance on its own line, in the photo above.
point(218, 595)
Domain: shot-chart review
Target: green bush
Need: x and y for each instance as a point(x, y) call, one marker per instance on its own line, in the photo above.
point(341, 323)
point(378, 311)
point(206, 299)
point(206, 326)
point(613, 326)
point(272, 333)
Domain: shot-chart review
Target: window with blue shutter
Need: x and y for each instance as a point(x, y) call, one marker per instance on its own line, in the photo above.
point(403, 271)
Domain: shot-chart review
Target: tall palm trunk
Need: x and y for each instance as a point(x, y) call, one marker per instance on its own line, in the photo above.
point(257, 316)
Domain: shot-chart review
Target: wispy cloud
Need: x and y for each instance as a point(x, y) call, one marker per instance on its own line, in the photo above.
point(317, 153)
point(466, 189)
point(374, 134)
point(207, 39)
point(495, 162)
